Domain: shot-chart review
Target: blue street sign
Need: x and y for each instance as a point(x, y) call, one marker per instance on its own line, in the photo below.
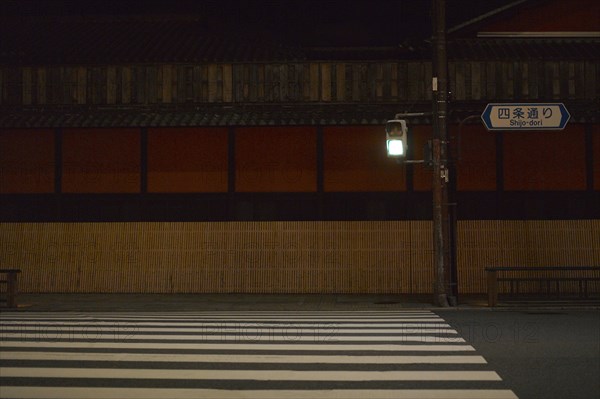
point(526, 116)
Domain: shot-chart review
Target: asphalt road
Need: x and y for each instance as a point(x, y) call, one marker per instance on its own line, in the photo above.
point(538, 353)
point(410, 354)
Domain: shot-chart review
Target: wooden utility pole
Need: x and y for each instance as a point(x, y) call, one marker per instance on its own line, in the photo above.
point(440, 154)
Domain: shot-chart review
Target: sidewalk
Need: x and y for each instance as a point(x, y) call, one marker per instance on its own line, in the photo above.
point(268, 302)
point(226, 302)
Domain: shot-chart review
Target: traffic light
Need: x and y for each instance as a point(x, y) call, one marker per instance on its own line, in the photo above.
point(395, 131)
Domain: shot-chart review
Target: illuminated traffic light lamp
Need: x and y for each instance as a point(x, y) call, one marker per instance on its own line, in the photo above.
point(395, 131)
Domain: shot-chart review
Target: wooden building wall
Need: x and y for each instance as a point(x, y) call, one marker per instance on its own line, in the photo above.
point(45, 167)
point(393, 256)
point(303, 159)
point(279, 257)
point(408, 81)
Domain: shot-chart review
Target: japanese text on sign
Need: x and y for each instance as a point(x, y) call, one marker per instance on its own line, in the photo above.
point(525, 116)
point(529, 116)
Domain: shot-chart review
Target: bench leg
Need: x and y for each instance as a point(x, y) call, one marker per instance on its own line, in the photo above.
point(492, 285)
point(11, 290)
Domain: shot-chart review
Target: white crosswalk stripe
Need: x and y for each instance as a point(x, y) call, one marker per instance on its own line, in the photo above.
point(299, 354)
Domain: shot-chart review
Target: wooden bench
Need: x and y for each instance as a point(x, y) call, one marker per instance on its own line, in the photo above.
point(549, 277)
point(11, 286)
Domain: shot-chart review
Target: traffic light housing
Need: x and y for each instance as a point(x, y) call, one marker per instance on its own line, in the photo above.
point(396, 130)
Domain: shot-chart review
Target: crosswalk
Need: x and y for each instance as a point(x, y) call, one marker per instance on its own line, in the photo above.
point(409, 354)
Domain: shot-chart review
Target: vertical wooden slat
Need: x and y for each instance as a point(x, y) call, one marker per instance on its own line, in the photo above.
point(119, 85)
point(394, 81)
point(179, 85)
point(563, 77)
point(271, 85)
point(387, 81)
point(524, 79)
point(152, 81)
point(126, 85)
point(314, 82)
point(102, 82)
point(379, 81)
point(13, 78)
point(552, 79)
point(460, 89)
point(175, 95)
point(490, 75)
point(295, 81)
point(167, 83)
point(542, 86)
point(2, 87)
point(414, 78)
point(260, 83)
point(507, 81)
point(365, 84)
point(356, 82)
point(517, 81)
point(468, 73)
point(570, 72)
point(111, 85)
point(238, 82)
point(227, 83)
point(369, 82)
point(95, 86)
point(212, 83)
point(283, 82)
point(41, 85)
point(403, 81)
point(340, 81)
point(69, 87)
point(476, 80)
point(500, 77)
point(81, 86)
point(427, 81)
point(326, 82)
point(27, 81)
point(92, 85)
point(591, 79)
point(276, 82)
point(291, 79)
point(579, 89)
point(54, 86)
point(34, 86)
point(197, 83)
point(250, 86)
point(534, 79)
point(452, 78)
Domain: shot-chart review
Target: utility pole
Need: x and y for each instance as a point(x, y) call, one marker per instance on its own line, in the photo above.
point(440, 154)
